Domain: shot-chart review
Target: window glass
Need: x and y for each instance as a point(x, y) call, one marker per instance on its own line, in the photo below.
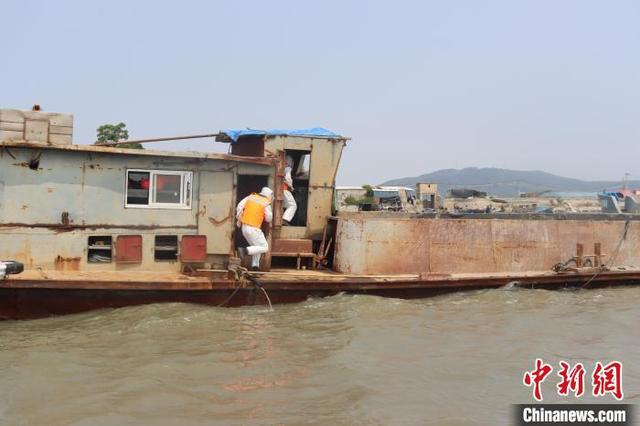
point(167, 188)
point(159, 189)
point(138, 188)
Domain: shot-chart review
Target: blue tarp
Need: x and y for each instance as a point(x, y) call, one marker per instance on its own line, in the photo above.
point(318, 132)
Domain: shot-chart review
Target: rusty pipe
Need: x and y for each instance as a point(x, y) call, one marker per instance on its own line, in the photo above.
point(169, 138)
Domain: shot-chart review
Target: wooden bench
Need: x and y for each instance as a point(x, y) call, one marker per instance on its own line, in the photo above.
point(298, 256)
point(294, 248)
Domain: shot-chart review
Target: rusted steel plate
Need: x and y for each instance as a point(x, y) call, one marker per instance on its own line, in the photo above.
point(387, 244)
point(129, 249)
point(524, 245)
point(461, 246)
point(193, 248)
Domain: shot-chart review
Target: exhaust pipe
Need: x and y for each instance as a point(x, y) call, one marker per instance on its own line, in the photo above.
point(10, 267)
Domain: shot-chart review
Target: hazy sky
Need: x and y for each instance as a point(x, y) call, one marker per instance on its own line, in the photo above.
point(418, 85)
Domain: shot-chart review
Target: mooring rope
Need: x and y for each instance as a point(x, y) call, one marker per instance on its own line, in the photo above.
point(232, 294)
point(241, 273)
point(257, 283)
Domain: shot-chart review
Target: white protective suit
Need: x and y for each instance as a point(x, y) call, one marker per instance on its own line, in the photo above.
point(289, 203)
point(254, 236)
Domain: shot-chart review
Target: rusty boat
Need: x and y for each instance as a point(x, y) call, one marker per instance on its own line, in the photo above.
point(103, 226)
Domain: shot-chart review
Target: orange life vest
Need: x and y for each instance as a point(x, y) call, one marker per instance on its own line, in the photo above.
point(253, 213)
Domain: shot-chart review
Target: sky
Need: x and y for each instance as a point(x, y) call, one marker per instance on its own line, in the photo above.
point(418, 85)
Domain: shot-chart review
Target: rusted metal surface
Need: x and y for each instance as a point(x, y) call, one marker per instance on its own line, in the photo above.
point(325, 158)
point(579, 255)
point(77, 192)
point(217, 210)
point(162, 139)
point(249, 146)
point(6, 144)
point(193, 248)
point(58, 293)
point(129, 249)
point(597, 249)
point(67, 263)
point(446, 245)
point(62, 195)
point(216, 222)
point(65, 219)
point(61, 227)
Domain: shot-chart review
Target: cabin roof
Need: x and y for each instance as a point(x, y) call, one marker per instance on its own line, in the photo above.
point(232, 135)
point(143, 152)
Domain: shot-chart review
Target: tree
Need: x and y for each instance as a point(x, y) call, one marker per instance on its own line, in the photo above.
point(351, 201)
point(368, 199)
point(368, 195)
point(109, 133)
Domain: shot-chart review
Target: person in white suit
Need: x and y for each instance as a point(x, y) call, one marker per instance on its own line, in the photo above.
point(251, 213)
point(289, 203)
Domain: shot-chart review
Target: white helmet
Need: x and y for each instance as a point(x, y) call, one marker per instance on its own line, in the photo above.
point(266, 192)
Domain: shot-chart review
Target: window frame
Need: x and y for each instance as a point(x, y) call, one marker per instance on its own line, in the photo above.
point(186, 189)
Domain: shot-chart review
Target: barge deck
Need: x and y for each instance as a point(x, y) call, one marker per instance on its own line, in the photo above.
point(39, 293)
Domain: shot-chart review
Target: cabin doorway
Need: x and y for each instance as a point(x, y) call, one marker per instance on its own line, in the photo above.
point(247, 184)
point(300, 175)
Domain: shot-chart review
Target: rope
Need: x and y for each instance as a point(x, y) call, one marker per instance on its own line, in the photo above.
point(613, 257)
point(241, 273)
point(562, 266)
point(268, 300)
point(231, 296)
point(257, 283)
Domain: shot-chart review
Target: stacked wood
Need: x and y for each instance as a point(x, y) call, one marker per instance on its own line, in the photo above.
point(36, 126)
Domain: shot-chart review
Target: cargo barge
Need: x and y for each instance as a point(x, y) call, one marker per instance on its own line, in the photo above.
point(104, 226)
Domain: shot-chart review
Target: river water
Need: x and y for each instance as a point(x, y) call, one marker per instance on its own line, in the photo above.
point(451, 360)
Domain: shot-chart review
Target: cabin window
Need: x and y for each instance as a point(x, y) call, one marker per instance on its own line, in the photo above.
point(158, 189)
point(99, 249)
point(166, 247)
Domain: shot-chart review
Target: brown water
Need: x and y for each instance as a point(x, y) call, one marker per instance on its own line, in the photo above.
point(451, 360)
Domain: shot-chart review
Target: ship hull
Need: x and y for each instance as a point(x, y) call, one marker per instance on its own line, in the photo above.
point(31, 299)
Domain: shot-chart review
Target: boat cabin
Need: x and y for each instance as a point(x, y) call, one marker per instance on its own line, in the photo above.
point(108, 208)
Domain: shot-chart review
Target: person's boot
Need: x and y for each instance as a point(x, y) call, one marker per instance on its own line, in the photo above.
point(255, 268)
